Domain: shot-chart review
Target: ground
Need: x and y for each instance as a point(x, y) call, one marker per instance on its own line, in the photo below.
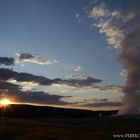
point(67, 128)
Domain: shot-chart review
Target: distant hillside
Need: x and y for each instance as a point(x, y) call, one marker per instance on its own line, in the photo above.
point(50, 112)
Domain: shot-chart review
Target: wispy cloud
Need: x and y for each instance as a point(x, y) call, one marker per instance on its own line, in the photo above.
point(100, 11)
point(78, 17)
point(123, 73)
point(77, 68)
point(111, 22)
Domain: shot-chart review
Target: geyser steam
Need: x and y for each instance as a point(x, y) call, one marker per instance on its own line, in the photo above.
point(122, 29)
point(130, 57)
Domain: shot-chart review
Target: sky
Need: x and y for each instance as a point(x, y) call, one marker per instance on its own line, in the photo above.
point(54, 53)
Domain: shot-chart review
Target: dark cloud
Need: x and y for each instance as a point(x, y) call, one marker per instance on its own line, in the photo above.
point(94, 100)
point(27, 57)
point(39, 97)
point(103, 100)
point(42, 98)
point(23, 56)
point(4, 85)
point(91, 101)
point(103, 104)
point(6, 74)
point(87, 81)
point(36, 97)
point(6, 61)
point(13, 91)
point(113, 88)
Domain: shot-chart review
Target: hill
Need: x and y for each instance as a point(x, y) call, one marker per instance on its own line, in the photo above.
point(21, 110)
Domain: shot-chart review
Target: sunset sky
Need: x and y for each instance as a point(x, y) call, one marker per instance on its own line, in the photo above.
point(56, 53)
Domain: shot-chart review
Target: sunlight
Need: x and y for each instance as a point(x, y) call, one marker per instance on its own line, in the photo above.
point(5, 102)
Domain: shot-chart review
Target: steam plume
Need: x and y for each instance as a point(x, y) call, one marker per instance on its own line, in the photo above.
point(130, 57)
point(122, 29)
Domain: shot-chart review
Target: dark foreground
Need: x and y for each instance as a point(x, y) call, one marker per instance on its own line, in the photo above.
point(66, 128)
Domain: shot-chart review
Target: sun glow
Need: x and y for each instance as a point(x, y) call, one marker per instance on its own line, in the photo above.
point(5, 102)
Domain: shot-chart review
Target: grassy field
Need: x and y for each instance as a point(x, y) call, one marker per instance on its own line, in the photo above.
point(66, 129)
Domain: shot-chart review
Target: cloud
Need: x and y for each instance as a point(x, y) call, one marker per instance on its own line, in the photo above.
point(4, 85)
point(78, 90)
point(39, 98)
point(80, 94)
point(100, 11)
point(80, 81)
point(103, 104)
point(112, 22)
point(13, 91)
point(78, 17)
point(68, 87)
point(6, 74)
point(113, 88)
point(123, 73)
point(77, 68)
point(24, 86)
point(6, 61)
point(27, 57)
point(95, 102)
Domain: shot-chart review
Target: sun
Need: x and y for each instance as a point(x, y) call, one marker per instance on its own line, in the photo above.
point(5, 102)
